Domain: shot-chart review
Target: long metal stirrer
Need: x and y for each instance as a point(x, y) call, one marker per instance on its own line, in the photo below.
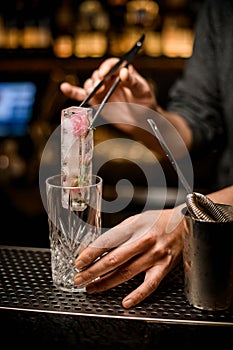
point(169, 155)
point(199, 206)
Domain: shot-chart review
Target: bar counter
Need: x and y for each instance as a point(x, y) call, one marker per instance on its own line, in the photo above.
point(34, 313)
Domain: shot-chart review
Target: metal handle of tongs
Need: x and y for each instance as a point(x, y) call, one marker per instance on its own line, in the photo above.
point(127, 58)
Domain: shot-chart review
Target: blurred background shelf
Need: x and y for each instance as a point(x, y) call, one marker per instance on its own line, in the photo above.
point(92, 28)
point(44, 43)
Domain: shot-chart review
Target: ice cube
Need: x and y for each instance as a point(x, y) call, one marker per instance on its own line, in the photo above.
point(76, 151)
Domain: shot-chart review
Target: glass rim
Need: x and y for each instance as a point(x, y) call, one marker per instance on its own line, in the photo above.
point(49, 182)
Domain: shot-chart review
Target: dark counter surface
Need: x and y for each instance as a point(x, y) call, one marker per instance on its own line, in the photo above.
point(34, 313)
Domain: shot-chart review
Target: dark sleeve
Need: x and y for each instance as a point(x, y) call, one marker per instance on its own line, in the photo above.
point(196, 95)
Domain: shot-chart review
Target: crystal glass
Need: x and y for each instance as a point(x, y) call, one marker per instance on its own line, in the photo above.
point(72, 227)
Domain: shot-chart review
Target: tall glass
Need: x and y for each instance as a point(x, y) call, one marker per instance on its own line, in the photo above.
point(72, 227)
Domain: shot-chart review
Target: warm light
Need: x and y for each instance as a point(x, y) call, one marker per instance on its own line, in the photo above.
point(152, 44)
point(177, 42)
point(36, 37)
point(13, 39)
point(120, 150)
point(117, 2)
point(90, 44)
point(177, 36)
point(63, 46)
point(119, 44)
point(142, 12)
point(2, 33)
point(93, 17)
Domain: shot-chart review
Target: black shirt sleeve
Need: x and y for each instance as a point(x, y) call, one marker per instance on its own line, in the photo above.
point(196, 96)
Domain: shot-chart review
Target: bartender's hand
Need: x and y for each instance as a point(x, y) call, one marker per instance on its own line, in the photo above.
point(149, 242)
point(133, 88)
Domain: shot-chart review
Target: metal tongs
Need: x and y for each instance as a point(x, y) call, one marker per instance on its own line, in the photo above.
point(199, 206)
point(127, 58)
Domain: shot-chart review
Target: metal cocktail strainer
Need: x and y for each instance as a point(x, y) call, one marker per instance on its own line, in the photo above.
point(202, 208)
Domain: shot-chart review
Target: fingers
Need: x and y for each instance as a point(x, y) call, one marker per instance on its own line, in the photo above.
point(134, 247)
point(121, 265)
point(122, 272)
point(105, 67)
point(99, 74)
point(153, 278)
point(129, 239)
point(73, 92)
point(106, 242)
point(132, 84)
point(87, 258)
point(79, 93)
point(124, 75)
point(105, 264)
point(131, 79)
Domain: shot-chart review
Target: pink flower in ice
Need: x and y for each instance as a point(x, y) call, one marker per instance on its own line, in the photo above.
point(80, 124)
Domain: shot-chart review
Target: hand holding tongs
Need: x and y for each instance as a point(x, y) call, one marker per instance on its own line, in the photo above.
point(128, 58)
